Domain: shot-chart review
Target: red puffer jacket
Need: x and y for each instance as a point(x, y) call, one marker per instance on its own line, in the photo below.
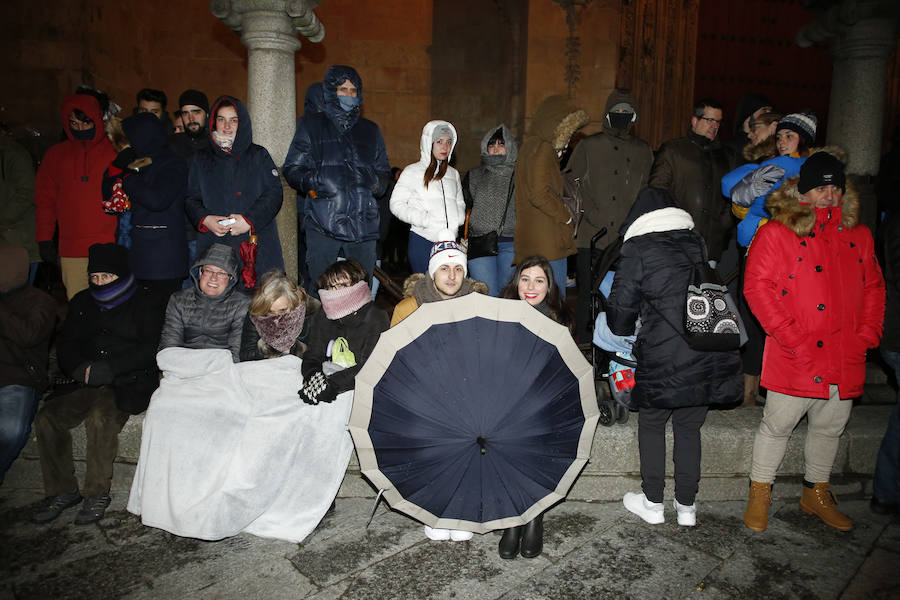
point(814, 283)
point(67, 188)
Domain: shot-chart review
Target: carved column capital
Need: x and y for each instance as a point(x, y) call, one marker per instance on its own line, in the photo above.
point(270, 24)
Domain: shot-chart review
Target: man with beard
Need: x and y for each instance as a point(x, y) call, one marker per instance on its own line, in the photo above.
point(194, 108)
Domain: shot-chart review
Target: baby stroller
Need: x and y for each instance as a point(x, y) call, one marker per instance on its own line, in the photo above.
point(610, 353)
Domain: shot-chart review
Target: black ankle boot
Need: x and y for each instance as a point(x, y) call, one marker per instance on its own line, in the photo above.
point(533, 537)
point(509, 543)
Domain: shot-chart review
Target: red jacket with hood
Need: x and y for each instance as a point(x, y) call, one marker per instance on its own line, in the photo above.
point(814, 283)
point(67, 188)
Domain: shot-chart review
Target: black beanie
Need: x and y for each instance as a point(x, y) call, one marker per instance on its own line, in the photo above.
point(195, 97)
point(108, 258)
point(821, 168)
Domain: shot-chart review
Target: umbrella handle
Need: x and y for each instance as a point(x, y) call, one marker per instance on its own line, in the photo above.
point(481, 442)
point(375, 507)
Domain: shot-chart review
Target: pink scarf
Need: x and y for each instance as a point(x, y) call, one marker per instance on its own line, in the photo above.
point(281, 331)
point(344, 301)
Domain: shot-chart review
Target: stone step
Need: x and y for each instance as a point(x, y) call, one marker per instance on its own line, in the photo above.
point(614, 467)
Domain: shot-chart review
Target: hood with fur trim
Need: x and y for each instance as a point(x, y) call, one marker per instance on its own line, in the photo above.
point(409, 285)
point(556, 120)
point(789, 207)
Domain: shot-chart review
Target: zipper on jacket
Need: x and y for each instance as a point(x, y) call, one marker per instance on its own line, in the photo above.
point(444, 196)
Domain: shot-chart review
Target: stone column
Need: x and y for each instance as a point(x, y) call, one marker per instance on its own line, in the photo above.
point(856, 109)
point(268, 29)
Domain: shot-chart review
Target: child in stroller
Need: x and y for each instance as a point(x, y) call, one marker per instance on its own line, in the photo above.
point(620, 375)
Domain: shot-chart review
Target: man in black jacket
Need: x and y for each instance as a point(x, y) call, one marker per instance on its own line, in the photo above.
point(108, 346)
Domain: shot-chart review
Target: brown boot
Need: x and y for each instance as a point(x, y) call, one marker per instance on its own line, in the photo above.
point(818, 500)
point(756, 517)
point(751, 390)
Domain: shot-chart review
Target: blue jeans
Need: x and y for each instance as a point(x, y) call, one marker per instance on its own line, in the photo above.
point(419, 251)
point(18, 404)
point(560, 274)
point(322, 251)
point(495, 271)
point(886, 481)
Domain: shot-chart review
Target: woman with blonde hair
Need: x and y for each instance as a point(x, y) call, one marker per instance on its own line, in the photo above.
point(277, 322)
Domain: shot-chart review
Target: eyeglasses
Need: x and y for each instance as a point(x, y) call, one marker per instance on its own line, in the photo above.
point(215, 274)
point(711, 120)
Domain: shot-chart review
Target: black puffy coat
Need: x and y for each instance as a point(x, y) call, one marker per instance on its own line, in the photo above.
point(342, 158)
point(124, 337)
point(158, 241)
point(243, 181)
point(890, 340)
point(656, 264)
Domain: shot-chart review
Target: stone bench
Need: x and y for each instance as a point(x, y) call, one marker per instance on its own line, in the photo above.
point(614, 466)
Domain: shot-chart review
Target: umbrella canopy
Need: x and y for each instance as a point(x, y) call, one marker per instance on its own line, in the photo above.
point(475, 413)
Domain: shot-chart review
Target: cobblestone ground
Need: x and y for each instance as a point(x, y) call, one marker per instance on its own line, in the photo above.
point(592, 550)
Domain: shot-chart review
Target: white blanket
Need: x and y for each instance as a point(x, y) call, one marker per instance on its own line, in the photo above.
point(231, 447)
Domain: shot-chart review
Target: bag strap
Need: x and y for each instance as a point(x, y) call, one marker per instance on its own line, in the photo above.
point(666, 319)
point(509, 195)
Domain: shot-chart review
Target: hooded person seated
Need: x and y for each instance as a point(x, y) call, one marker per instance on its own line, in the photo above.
point(108, 346)
point(447, 278)
point(211, 313)
point(342, 335)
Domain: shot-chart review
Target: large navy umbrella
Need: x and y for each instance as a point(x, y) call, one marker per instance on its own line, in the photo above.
point(474, 413)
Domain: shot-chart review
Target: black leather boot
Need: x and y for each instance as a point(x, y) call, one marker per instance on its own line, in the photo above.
point(533, 537)
point(509, 543)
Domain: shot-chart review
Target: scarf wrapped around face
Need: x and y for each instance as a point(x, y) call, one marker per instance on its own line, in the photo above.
point(281, 331)
point(114, 293)
point(344, 301)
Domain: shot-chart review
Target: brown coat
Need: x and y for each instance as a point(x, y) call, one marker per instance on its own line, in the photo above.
point(691, 168)
point(540, 214)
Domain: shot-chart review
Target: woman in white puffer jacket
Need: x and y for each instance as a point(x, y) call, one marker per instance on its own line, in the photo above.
point(428, 194)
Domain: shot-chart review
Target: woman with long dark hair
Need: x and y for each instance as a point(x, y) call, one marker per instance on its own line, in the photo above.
point(533, 282)
point(429, 194)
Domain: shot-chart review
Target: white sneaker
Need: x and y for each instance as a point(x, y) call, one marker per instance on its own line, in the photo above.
point(651, 512)
point(458, 535)
point(687, 515)
point(438, 535)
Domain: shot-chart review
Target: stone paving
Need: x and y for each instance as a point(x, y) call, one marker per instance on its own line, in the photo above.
point(592, 550)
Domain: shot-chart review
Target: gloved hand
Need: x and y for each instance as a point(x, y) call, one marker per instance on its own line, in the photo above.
point(755, 184)
point(317, 389)
point(48, 252)
point(101, 374)
point(126, 156)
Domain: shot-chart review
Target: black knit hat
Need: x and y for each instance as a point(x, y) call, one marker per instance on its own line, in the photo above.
point(195, 97)
point(108, 258)
point(821, 169)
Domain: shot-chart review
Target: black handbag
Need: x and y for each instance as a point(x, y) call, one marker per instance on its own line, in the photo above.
point(487, 244)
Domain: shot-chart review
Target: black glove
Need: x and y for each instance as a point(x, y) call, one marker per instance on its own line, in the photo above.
point(101, 374)
point(124, 158)
point(317, 389)
point(48, 252)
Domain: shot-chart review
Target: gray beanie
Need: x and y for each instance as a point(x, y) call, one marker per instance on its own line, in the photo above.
point(441, 131)
point(802, 123)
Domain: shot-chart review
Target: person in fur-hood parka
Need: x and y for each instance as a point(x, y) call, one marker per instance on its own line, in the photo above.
point(814, 283)
point(542, 221)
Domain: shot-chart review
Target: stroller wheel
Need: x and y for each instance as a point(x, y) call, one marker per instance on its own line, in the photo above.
point(621, 414)
point(607, 407)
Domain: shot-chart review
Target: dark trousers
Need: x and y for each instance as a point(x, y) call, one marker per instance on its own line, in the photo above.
point(584, 327)
point(103, 421)
point(686, 423)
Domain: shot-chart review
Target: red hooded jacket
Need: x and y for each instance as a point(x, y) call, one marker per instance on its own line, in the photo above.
point(814, 283)
point(67, 188)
